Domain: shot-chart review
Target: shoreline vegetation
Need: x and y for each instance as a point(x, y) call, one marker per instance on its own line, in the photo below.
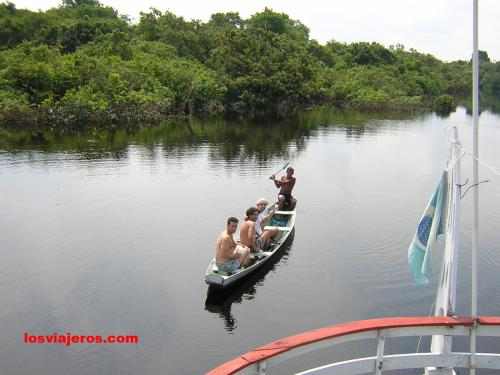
point(261, 139)
point(83, 65)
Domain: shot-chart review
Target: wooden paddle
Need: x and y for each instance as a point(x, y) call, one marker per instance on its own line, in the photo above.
point(274, 174)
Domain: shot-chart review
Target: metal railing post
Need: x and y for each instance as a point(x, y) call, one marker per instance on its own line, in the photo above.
point(379, 362)
point(261, 367)
point(472, 357)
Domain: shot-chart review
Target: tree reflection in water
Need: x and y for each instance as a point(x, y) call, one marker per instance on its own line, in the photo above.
point(234, 143)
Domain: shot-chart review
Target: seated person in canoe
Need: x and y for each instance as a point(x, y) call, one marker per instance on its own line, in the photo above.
point(229, 255)
point(263, 237)
point(286, 184)
point(247, 229)
point(278, 220)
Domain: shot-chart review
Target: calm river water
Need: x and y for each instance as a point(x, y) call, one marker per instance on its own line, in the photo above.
point(110, 233)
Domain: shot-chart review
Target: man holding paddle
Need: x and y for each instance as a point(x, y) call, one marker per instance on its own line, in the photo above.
point(286, 184)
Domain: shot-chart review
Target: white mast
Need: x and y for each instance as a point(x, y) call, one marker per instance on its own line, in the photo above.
point(475, 182)
point(445, 299)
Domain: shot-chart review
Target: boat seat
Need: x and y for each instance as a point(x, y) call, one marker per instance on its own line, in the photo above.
point(284, 229)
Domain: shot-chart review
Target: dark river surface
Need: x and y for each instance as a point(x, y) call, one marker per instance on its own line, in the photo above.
point(110, 233)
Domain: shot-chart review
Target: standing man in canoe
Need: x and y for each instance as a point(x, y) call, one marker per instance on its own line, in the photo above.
point(286, 184)
point(229, 255)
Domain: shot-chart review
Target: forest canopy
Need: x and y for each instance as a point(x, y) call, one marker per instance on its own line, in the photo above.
point(83, 63)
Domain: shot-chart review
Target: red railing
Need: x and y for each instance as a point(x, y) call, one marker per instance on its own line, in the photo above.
point(281, 346)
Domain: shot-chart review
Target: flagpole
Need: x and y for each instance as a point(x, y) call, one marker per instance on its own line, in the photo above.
point(475, 228)
point(445, 303)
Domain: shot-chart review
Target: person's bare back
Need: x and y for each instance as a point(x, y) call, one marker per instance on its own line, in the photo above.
point(247, 229)
point(247, 234)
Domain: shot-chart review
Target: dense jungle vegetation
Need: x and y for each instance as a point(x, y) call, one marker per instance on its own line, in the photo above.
point(83, 64)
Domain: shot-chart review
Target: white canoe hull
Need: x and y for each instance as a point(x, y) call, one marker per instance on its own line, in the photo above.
point(212, 277)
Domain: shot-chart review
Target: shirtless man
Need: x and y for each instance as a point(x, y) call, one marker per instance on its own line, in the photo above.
point(263, 237)
point(247, 229)
point(286, 184)
point(230, 255)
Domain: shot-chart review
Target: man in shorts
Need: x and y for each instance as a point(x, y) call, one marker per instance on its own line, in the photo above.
point(229, 255)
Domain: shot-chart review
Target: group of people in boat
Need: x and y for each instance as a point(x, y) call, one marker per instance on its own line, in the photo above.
point(230, 254)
